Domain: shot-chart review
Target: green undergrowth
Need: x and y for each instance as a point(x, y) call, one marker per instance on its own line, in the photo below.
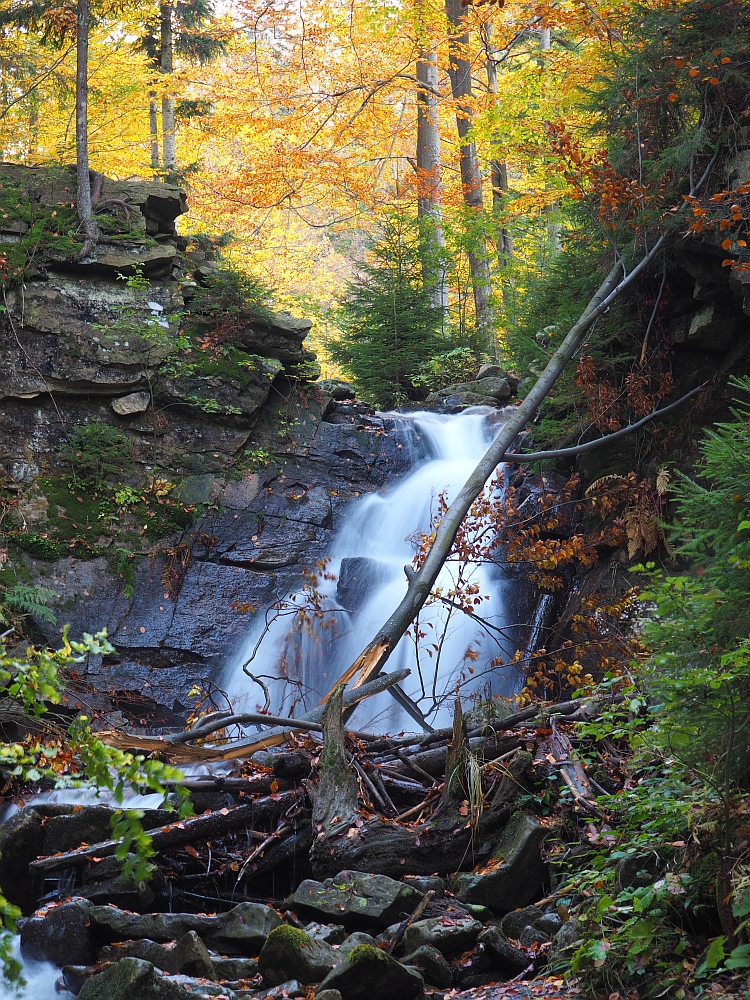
point(661, 881)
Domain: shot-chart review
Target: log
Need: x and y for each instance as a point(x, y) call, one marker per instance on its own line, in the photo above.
point(572, 771)
point(181, 832)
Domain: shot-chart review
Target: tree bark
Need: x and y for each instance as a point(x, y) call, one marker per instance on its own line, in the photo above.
point(498, 169)
point(552, 211)
point(83, 183)
point(166, 66)
point(471, 177)
point(429, 179)
point(153, 130)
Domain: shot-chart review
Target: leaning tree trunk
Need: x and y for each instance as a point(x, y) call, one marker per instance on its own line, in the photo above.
point(471, 177)
point(429, 180)
point(83, 183)
point(166, 65)
point(371, 660)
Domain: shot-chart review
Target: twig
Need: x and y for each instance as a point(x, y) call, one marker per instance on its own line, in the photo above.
point(285, 828)
point(401, 930)
point(420, 771)
point(374, 793)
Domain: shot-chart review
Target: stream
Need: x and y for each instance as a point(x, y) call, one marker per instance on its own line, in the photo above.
point(364, 582)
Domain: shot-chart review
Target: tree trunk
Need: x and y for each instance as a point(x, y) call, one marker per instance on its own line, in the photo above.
point(154, 130)
point(167, 103)
point(83, 183)
point(429, 180)
point(498, 169)
point(471, 177)
point(552, 211)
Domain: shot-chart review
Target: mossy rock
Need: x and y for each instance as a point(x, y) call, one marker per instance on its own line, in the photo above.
point(370, 974)
point(290, 953)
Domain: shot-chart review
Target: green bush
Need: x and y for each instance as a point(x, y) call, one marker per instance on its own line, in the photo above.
point(96, 451)
point(458, 365)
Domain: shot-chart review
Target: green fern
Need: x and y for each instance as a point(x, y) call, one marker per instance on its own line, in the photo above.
point(32, 601)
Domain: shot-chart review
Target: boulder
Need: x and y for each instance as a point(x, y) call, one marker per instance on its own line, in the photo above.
point(160, 955)
point(490, 371)
point(357, 899)
point(513, 923)
point(564, 942)
point(444, 933)
point(549, 923)
point(73, 977)
point(241, 931)
point(433, 966)
point(328, 995)
point(190, 957)
point(289, 951)
point(134, 402)
point(356, 939)
point(134, 979)
point(370, 974)
point(235, 968)
point(359, 577)
point(519, 877)
point(60, 934)
point(492, 387)
point(426, 883)
point(506, 956)
point(328, 933)
point(337, 389)
point(531, 936)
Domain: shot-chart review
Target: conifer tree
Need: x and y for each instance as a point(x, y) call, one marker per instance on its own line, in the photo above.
point(389, 322)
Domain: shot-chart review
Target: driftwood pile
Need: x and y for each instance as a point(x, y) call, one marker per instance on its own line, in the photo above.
point(411, 805)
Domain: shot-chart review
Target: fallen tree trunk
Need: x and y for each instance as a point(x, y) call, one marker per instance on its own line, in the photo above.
point(181, 832)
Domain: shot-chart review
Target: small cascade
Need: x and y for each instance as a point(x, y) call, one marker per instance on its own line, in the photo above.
point(364, 581)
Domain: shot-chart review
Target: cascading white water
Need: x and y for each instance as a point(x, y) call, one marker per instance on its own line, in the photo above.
point(373, 545)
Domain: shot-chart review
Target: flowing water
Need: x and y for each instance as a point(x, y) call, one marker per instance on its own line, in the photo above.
point(364, 582)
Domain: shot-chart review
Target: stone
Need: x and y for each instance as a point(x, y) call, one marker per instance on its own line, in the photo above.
point(190, 957)
point(328, 995)
point(550, 923)
point(134, 979)
point(159, 955)
point(520, 876)
point(337, 389)
point(240, 931)
point(328, 933)
point(235, 968)
point(513, 923)
point(74, 976)
point(359, 578)
point(642, 869)
point(357, 899)
point(564, 942)
point(426, 883)
point(506, 956)
point(433, 966)
point(289, 951)
point(356, 939)
point(61, 935)
point(530, 936)
point(134, 402)
point(289, 989)
point(490, 371)
point(370, 974)
point(445, 934)
point(495, 388)
point(454, 401)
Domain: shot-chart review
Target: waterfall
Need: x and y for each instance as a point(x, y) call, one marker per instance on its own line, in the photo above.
point(364, 581)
